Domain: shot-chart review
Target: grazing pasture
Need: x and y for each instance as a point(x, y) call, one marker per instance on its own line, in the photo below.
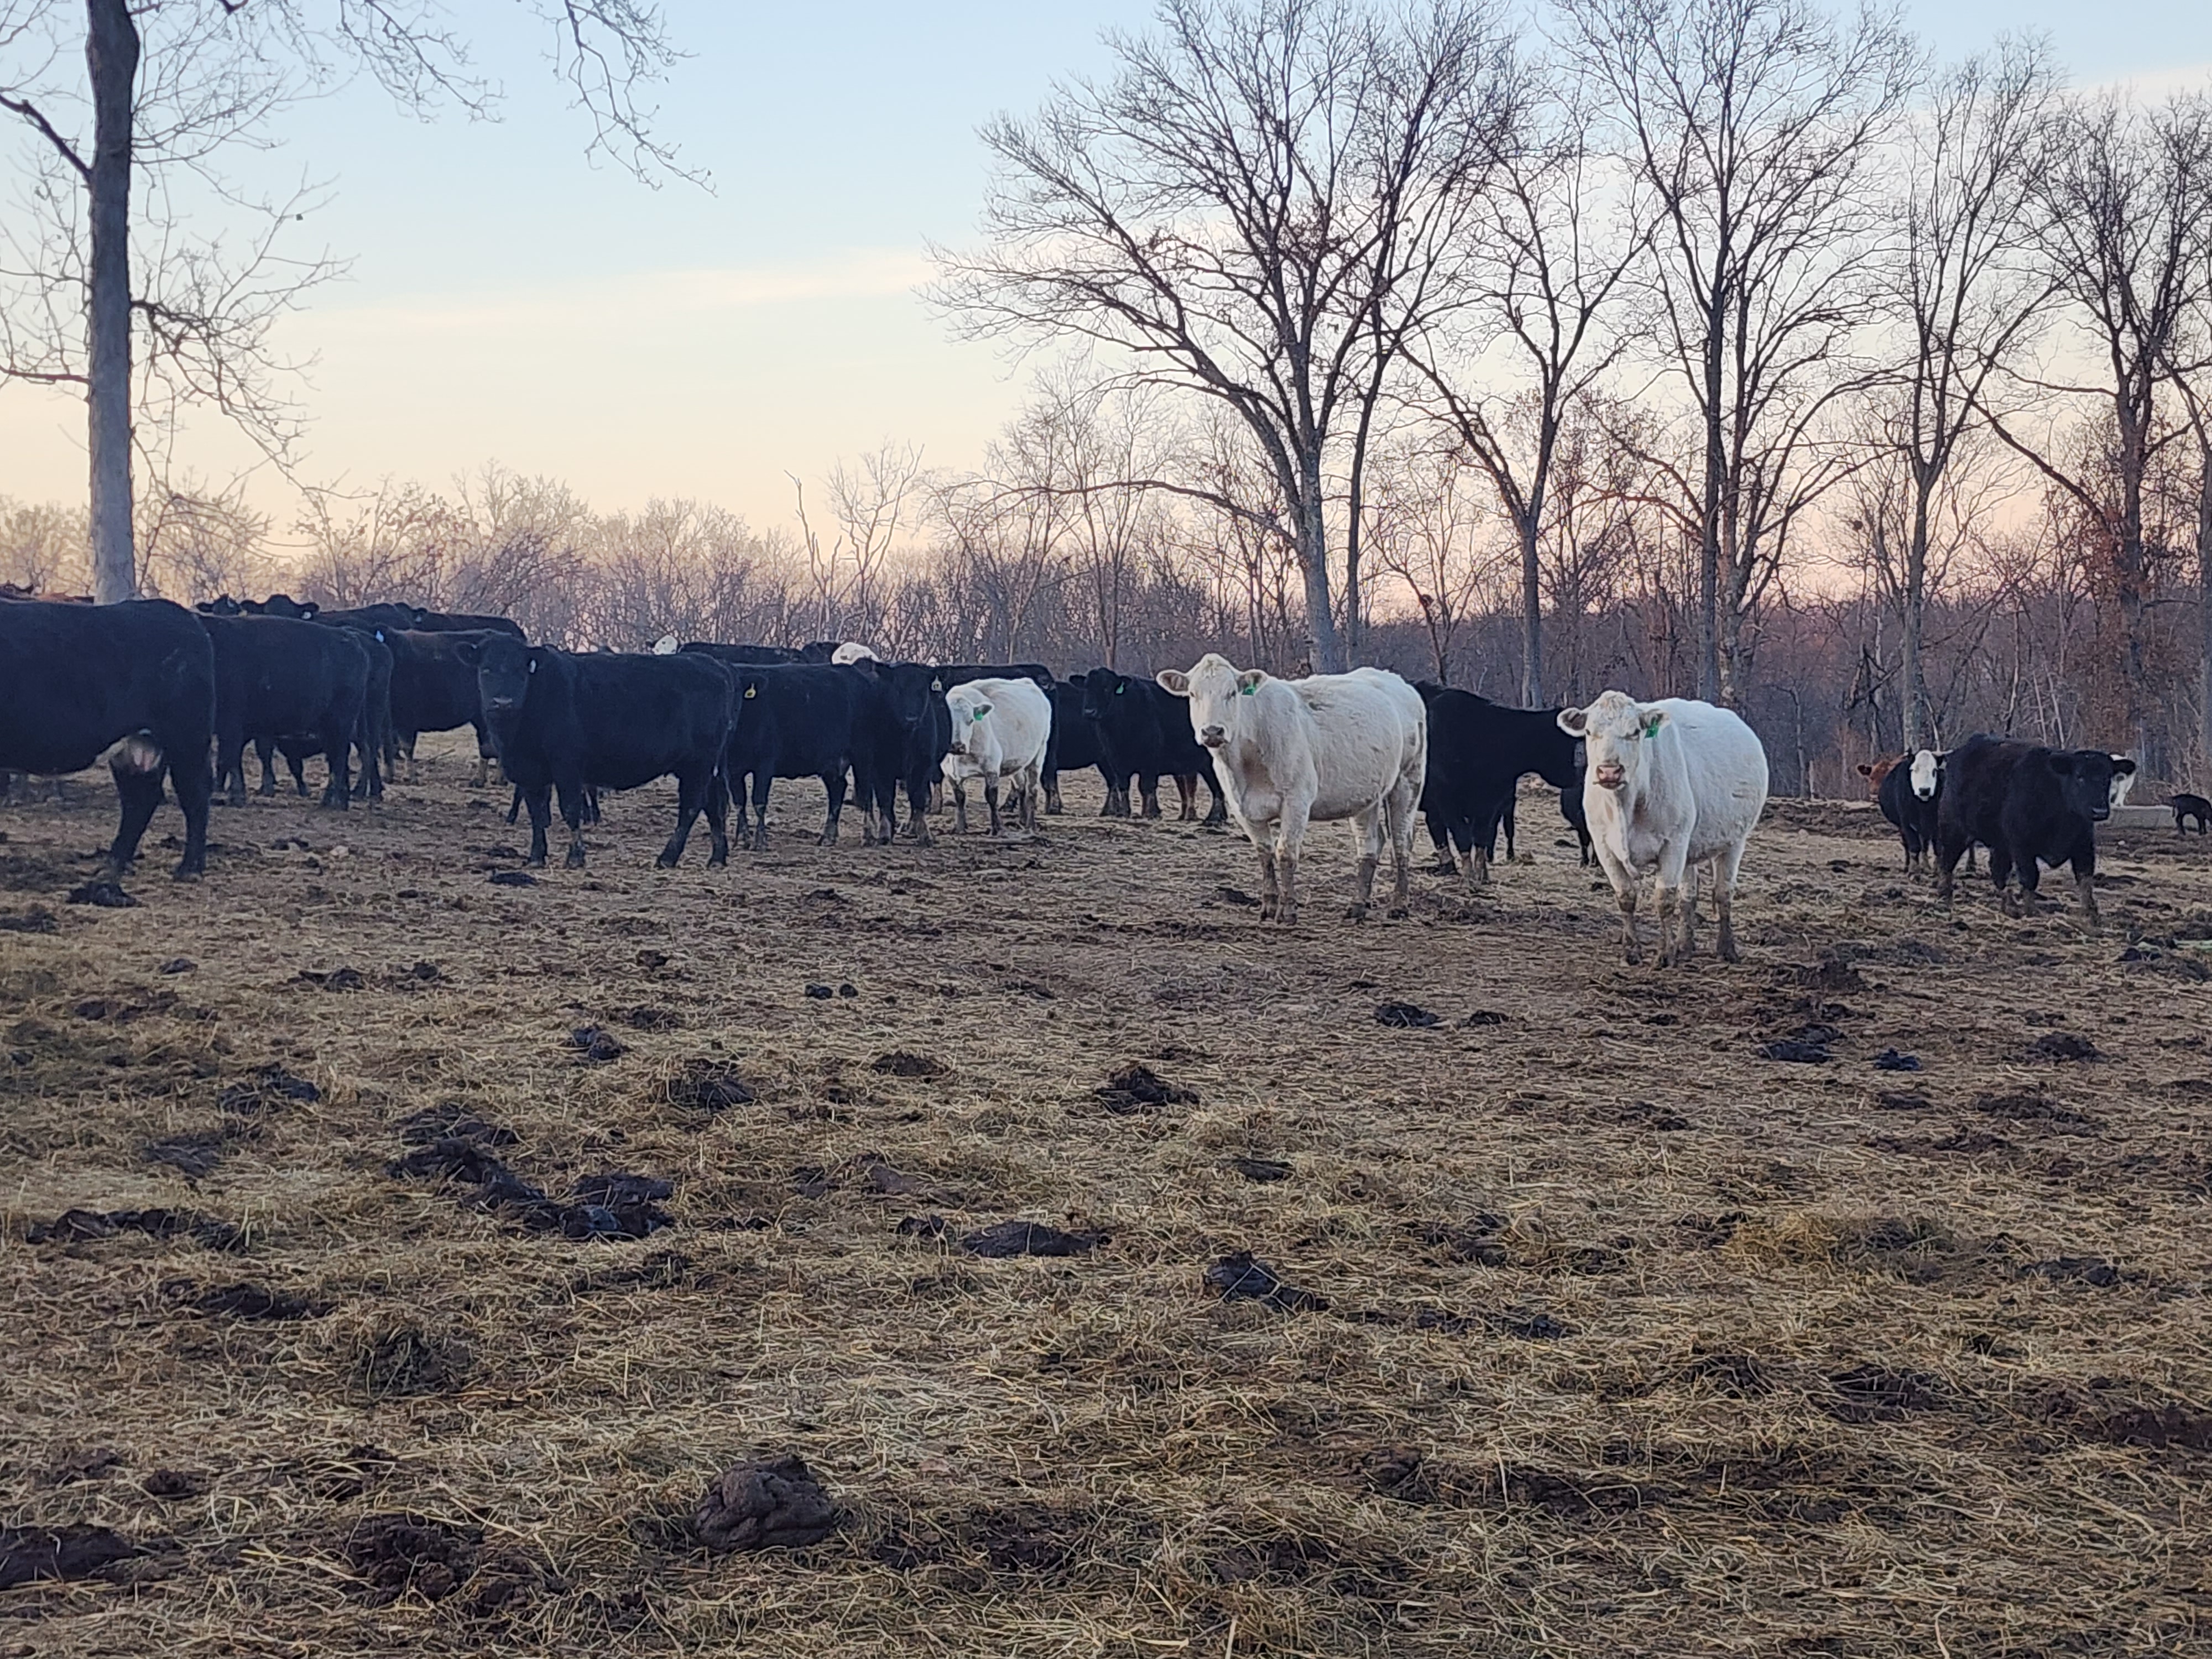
point(396, 1247)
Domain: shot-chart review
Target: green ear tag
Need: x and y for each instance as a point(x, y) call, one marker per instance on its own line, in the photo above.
point(1244, 690)
point(1652, 726)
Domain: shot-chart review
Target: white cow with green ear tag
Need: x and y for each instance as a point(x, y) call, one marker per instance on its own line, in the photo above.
point(1672, 786)
point(1000, 730)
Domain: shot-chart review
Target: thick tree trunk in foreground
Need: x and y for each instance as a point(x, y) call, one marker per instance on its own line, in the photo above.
point(111, 51)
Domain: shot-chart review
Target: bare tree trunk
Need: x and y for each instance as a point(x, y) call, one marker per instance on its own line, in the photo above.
point(111, 51)
point(2205, 610)
point(1709, 531)
point(1313, 565)
point(1532, 618)
point(1916, 720)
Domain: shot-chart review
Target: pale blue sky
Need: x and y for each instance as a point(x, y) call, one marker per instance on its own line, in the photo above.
point(509, 302)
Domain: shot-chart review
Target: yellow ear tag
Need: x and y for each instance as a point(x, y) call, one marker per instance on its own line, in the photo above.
point(752, 691)
point(937, 685)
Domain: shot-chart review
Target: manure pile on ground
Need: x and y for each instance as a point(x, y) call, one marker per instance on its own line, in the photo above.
point(1020, 1248)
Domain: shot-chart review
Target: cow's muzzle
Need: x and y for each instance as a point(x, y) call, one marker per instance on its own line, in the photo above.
point(1213, 737)
point(498, 705)
point(2098, 814)
point(1609, 777)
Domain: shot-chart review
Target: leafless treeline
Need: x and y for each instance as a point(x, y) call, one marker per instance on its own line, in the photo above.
point(1707, 347)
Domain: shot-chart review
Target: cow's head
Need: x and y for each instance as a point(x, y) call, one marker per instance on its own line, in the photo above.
point(221, 605)
point(1927, 773)
point(2123, 779)
point(2088, 780)
point(910, 691)
point(1617, 732)
point(1216, 690)
point(969, 708)
point(504, 665)
point(1101, 687)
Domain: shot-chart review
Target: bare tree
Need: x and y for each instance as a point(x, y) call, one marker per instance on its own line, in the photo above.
point(1558, 255)
point(1750, 127)
point(1247, 210)
point(168, 85)
point(1962, 300)
point(1435, 537)
point(2123, 199)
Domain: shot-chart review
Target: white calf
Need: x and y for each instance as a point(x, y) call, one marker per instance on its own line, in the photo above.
point(1671, 784)
point(853, 650)
point(1000, 729)
point(1288, 752)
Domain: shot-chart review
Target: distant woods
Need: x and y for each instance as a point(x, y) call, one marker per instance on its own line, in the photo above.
point(1708, 347)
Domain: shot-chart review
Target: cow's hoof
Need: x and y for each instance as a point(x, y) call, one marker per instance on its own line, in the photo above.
point(573, 861)
point(664, 862)
point(1396, 913)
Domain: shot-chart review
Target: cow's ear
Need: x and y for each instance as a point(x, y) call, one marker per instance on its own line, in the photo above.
point(470, 652)
point(418, 615)
point(1250, 681)
point(1865, 771)
point(1653, 720)
point(310, 610)
point(2123, 765)
point(1173, 681)
point(980, 710)
point(1576, 720)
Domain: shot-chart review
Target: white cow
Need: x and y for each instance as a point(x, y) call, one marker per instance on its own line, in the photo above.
point(1290, 752)
point(1671, 785)
point(1000, 729)
point(853, 650)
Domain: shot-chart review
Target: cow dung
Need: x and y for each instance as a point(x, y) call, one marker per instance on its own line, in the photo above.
point(512, 878)
point(74, 1551)
point(249, 1302)
point(1800, 1052)
point(595, 1047)
point(820, 992)
point(169, 1485)
point(1404, 1015)
point(1137, 1088)
point(901, 1062)
point(2065, 1045)
point(271, 1086)
point(1010, 1239)
point(178, 965)
point(709, 1085)
point(1239, 1278)
point(1889, 1059)
point(1260, 1169)
point(393, 1553)
point(36, 919)
point(772, 1503)
point(105, 894)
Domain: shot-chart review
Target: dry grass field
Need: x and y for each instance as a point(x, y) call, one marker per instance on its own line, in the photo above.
point(1599, 1333)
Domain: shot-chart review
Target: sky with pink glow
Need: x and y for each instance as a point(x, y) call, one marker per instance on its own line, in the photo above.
point(507, 302)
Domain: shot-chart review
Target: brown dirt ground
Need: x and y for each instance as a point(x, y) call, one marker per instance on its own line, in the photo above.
point(1634, 1343)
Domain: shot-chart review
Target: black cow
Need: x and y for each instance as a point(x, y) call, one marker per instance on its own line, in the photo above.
point(1913, 813)
point(819, 652)
point(2025, 803)
point(2186, 807)
point(462, 621)
point(741, 655)
point(434, 689)
point(1074, 742)
point(276, 678)
point(801, 721)
point(909, 734)
point(138, 678)
point(568, 721)
point(1143, 732)
point(1479, 751)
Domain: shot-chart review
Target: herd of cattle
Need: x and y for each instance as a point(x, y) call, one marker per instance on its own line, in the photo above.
point(1672, 788)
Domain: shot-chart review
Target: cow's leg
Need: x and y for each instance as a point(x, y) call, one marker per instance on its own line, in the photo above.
point(482, 775)
point(1398, 823)
point(917, 811)
point(1149, 790)
point(195, 786)
point(299, 765)
point(1186, 791)
point(1505, 820)
point(1440, 838)
point(1367, 831)
point(541, 814)
point(265, 751)
point(2085, 882)
point(833, 784)
point(1290, 840)
point(991, 800)
point(690, 800)
point(1725, 865)
point(1218, 813)
point(1052, 806)
point(2001, 870)
point(959, 787)
point(1031, 784)
point(574, 798)
point(718, 812)
point(1671, 890)
point(230, 766)
point(1949, 846)
point(1624, 896)
point(1271, 891)
point(138, 793)
point(337, 756)
point(764, 781)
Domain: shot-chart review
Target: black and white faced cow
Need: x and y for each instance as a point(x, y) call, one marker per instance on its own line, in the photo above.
point(2030, 806)
point(570, 720)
